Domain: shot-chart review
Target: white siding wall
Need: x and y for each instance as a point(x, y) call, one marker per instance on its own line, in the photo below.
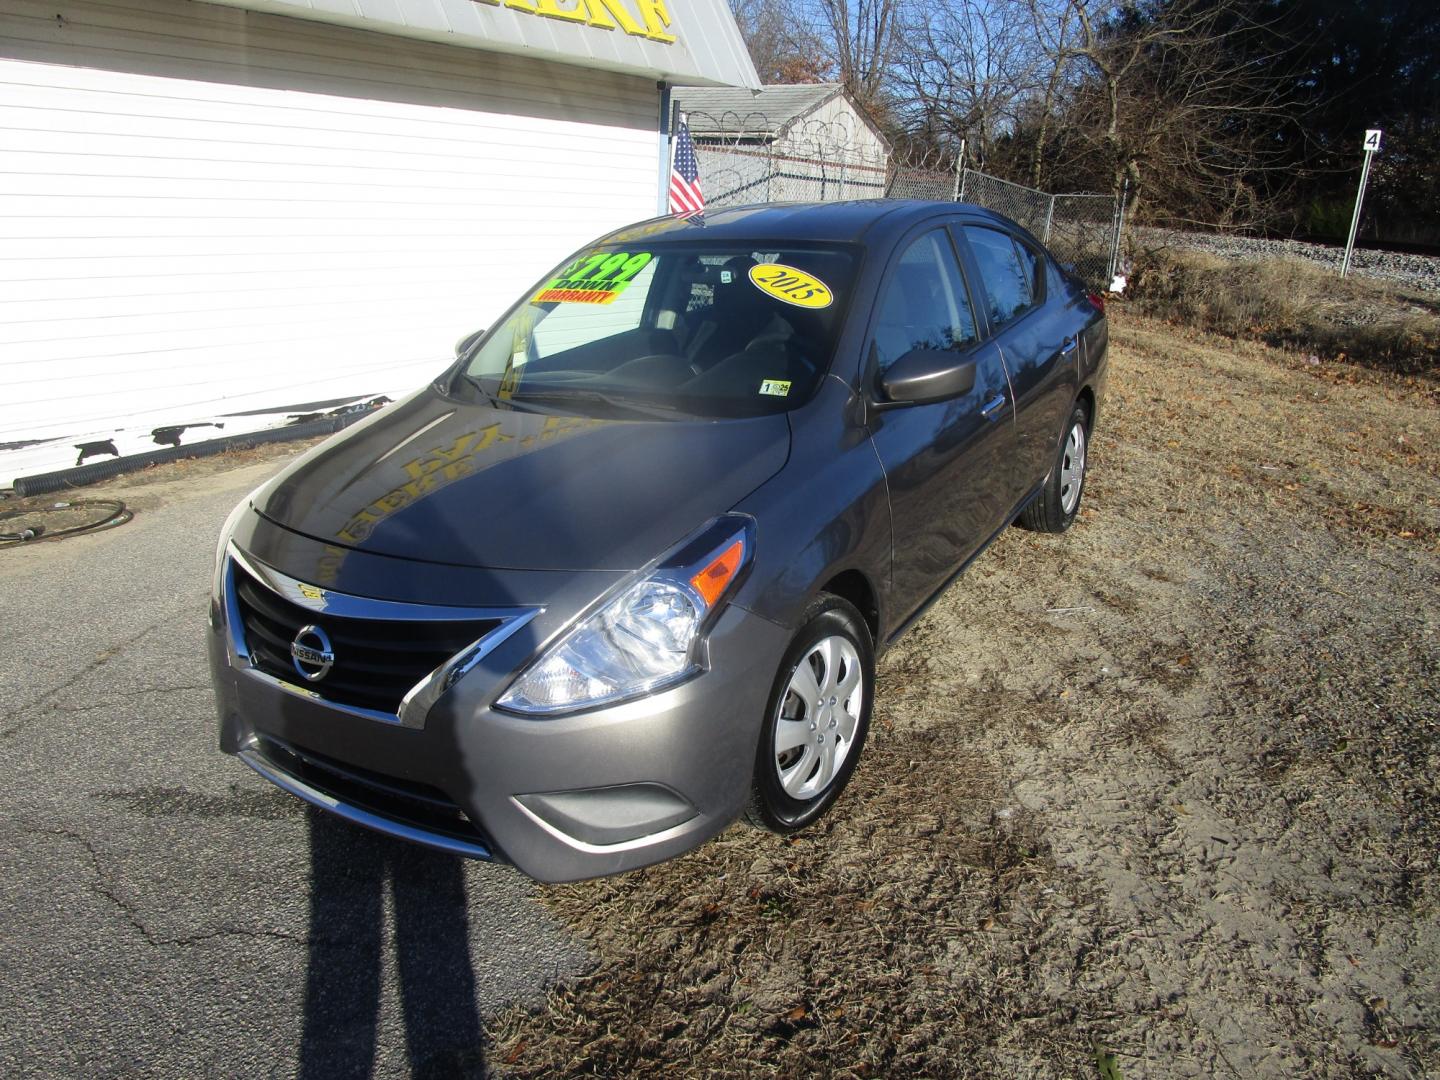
point(204, 210)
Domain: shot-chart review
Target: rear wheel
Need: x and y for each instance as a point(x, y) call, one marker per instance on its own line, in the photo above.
point(1054, 509)
point(816, 720)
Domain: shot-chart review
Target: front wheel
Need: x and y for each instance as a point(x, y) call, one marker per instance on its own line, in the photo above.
point(1054, 509)
point(816, 720)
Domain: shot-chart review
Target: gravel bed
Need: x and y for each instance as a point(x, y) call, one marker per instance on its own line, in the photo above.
point(1414, 271)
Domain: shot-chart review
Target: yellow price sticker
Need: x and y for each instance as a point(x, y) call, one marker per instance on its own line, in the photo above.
point(791, 285)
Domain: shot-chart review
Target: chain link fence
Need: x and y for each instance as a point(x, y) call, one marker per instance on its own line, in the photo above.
point(1081, 231)
point(736, 176)
point(1020, 204)
point(745, 159)
point(1085, 233)
point(923, 179)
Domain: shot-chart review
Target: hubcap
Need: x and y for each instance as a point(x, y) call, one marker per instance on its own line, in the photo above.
point(818, 715)
point(1072, 469)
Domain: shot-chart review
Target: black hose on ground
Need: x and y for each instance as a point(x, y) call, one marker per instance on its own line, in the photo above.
point(95, 515)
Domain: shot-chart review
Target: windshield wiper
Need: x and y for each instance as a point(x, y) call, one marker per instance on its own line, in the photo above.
point(494, 400)
point(585, 393)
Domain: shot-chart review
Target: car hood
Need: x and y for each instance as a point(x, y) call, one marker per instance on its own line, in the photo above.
point(440, 481)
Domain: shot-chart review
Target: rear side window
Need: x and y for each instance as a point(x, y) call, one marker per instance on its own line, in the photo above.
point(1009, 271)
point(925, 304)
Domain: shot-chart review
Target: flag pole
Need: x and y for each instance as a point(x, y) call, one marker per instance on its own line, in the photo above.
point(665, 128)
point(686, 200)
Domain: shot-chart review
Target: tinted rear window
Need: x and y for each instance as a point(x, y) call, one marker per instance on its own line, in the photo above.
point(1008, 277)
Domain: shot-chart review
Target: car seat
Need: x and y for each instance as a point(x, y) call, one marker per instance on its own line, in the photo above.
point(738, 315)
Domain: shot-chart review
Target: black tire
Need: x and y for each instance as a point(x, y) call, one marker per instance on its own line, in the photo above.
point(771, 807)
point(1047, 511)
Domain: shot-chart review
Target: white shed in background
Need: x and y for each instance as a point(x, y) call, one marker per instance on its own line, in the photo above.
point(207, 210)
point(801, 124)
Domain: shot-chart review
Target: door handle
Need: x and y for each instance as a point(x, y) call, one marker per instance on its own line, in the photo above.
point(991, 409)
point(1069, 346)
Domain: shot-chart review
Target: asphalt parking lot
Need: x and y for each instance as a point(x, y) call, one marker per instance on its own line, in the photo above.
point(167, 913)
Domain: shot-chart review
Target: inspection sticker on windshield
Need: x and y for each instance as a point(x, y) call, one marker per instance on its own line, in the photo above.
point(593, 279)
point(791, 285)
point(775, 388)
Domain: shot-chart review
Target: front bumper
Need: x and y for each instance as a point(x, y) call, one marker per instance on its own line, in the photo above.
point(563, 798)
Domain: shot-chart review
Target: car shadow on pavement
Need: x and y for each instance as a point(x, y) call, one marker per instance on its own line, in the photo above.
point(350, 871)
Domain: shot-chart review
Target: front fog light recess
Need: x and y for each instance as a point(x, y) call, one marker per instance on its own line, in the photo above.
point(641, 641)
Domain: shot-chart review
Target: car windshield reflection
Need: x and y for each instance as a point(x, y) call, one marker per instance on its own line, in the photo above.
point(674, 330)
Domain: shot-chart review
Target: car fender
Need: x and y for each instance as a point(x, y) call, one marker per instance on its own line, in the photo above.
point(826, 512)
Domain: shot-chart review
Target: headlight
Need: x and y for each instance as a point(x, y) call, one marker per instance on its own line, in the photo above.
point(644, 639)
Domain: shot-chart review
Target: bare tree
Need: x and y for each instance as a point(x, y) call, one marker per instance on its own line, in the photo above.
point(861, 37)
point(1184, 95)
point(1183, 101)
point(962, 70)
point(1053, 27)
point(783, 46)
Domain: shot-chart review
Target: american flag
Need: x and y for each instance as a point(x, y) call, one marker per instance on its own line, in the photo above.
point(686, 199)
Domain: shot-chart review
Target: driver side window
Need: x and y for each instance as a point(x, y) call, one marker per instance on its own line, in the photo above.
point(925, 305)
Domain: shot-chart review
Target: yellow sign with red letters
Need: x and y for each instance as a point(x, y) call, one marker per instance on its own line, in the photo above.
point(593, 279)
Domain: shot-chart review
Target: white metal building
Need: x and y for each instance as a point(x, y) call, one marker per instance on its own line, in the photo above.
point(802, 141)
point(797, 119)
point(207, 208)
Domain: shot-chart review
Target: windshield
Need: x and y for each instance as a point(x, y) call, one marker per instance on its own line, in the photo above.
point(665, 329)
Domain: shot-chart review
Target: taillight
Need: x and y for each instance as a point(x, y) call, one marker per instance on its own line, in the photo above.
point(1096, 301)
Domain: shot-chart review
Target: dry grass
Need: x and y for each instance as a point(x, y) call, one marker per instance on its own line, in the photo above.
point(892, 940)
point(1166, 785)
point(1292, 304)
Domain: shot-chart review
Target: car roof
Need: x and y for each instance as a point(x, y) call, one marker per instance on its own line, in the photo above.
point(859, 221)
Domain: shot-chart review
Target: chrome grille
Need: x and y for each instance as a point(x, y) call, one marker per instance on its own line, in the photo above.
point(377, 661)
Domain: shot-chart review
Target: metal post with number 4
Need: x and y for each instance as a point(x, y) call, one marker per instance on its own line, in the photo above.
point(1370, 146)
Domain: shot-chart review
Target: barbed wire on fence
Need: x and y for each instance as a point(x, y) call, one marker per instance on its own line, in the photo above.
point(747, 158)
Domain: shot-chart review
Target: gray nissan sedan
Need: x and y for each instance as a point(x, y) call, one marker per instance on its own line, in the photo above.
point(620, 575)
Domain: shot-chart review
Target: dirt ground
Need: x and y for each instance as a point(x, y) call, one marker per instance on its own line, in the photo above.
point(1156, 798)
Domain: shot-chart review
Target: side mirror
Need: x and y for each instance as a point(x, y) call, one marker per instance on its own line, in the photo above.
point(924, 375)
point(466, 343)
